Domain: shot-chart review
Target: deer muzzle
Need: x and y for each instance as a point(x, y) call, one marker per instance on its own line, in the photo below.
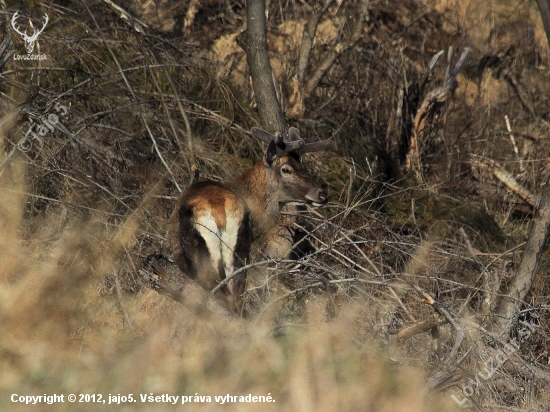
point(317, 197)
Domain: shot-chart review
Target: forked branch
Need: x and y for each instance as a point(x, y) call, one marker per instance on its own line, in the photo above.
point(338, 49)
point(308, 37)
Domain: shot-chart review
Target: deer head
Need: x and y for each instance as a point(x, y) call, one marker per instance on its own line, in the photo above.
point(287, 179)
point(29, 40)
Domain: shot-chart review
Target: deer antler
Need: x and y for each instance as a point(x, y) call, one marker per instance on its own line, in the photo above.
point(46, 20)
point(13, 19)
point(24, 33)
point(296, 144)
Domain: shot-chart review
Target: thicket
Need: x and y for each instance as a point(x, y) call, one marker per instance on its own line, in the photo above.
point(430, 203)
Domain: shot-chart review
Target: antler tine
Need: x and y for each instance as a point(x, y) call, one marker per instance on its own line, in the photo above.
point(296, 142)
point(268, 138)
point(47, 19)
point(279, 140)
point(293, 146)
point(293, 134)
point(314, 147)
point(301, 146)
point(262, 135)
point(13, 24)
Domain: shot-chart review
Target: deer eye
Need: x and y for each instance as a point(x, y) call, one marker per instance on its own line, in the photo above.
point(286, 170)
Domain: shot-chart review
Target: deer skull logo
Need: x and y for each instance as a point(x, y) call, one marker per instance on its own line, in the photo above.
point(29, 40)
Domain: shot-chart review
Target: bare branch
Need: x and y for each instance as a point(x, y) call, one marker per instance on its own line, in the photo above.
point(506, 178)
point(447, 315)
point(308, 37)
point(421, 327)
point(128, 17)
point(338, 49)
point(3, 46)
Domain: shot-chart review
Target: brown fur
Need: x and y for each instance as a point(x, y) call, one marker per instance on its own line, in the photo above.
point(253, 200)
point(213, 200)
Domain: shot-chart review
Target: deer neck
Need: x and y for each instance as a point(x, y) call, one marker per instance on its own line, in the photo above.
point(261, 198)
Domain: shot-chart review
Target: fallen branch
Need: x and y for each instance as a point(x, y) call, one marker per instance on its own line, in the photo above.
point(447, 315)
point(421, 327)
point(506, 178)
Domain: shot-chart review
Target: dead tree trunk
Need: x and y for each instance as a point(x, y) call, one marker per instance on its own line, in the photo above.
point(269, 108)
point(430, 108)
point(523, 279)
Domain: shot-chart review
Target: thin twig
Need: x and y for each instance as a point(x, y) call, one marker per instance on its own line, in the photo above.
point(125, 313)
point(183, 113)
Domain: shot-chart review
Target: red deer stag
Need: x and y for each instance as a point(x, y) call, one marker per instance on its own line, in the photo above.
point(214, 224)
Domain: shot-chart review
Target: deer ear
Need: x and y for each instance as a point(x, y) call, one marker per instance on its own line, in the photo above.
point(270, 154)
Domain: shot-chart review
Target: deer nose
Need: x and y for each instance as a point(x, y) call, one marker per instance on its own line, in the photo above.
point(322, 195)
